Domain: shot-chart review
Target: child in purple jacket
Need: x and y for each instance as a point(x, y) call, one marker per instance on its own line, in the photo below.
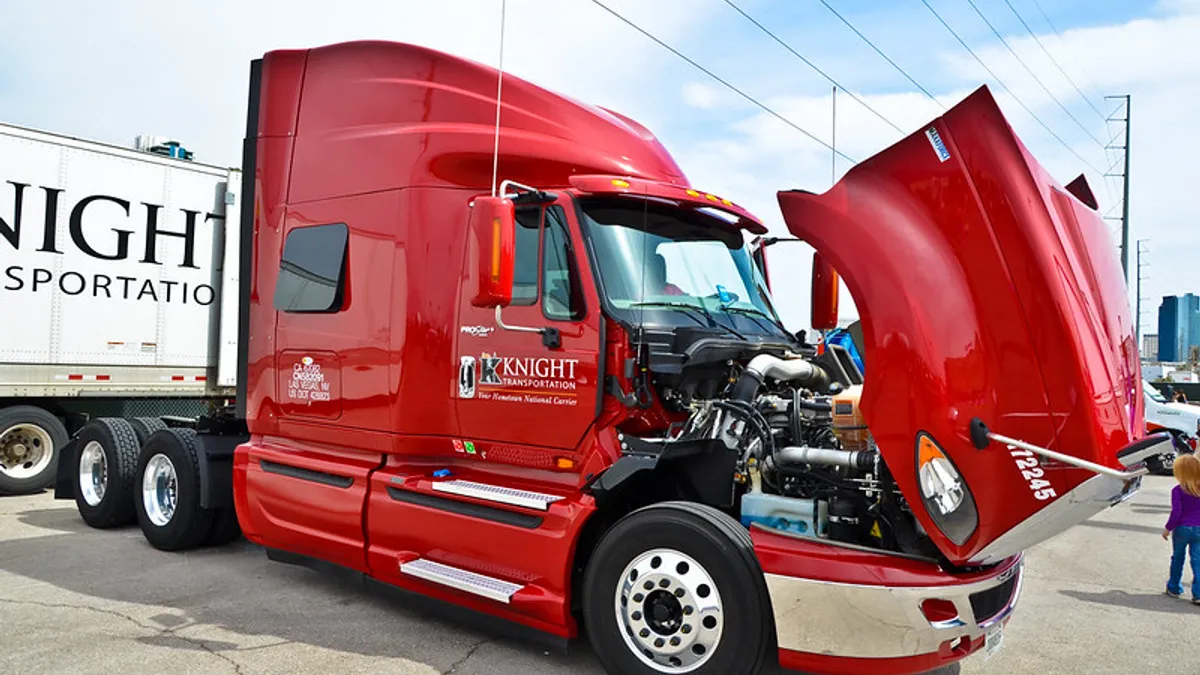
point(1184, 525)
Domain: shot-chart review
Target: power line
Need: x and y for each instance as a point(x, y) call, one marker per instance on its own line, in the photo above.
point(727, 85)
point(1045, 51)
point(1058, 34)
point(1031, 73)
point(812, 65)
point(885, 56)
point(1010, 91)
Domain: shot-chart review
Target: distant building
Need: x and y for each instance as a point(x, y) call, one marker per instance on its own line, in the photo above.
point(1150, 346)
point(1178, 327)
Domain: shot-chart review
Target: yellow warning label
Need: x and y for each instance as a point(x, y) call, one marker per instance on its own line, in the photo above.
point(875, 532)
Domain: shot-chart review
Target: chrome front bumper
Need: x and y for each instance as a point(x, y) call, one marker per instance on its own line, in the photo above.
point(861, 621)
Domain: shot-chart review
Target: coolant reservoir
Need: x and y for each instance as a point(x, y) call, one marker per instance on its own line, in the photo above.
point(848, 423)
point(801, 516)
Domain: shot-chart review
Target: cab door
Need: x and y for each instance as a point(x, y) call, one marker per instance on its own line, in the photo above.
point(534, 384)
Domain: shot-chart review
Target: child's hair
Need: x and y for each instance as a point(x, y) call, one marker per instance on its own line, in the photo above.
point(1187, 472)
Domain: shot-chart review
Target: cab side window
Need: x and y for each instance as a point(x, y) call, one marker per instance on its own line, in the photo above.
point(544, 267)
point(562, 298)
point(525, 266)
point(312, 273)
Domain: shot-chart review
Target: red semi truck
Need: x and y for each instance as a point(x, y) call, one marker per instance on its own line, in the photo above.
point(569, 403)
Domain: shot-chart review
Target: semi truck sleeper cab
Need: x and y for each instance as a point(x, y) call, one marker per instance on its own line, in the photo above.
point(561, 394)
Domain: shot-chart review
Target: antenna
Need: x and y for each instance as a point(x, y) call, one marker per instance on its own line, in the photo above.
point(499, 90)
point(833, 144)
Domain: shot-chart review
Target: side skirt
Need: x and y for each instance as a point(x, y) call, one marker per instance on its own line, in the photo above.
point(455, 613)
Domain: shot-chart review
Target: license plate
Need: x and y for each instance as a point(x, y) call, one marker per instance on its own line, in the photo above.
point(991, 643)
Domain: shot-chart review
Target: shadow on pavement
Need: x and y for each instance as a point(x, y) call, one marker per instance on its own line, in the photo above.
point(237, 589)
point(1149, 602)
point(63, 520)
point(1124, 527)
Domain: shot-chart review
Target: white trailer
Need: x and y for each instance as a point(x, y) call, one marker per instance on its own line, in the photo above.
point(118, 292)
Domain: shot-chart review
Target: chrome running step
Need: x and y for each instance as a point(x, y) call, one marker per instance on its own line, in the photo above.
point(495, 493)
point(488, 587)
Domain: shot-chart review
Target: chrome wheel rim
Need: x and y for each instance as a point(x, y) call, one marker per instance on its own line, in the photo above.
point(25, 451)
point(669, 611)
point(93, 473)
point(160, 489)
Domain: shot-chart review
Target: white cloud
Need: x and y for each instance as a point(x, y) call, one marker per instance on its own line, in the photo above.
point(114, 69)
point(1155, 60)
point(700, 95)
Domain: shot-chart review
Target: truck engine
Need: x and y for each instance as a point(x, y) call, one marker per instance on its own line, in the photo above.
point(806, 463)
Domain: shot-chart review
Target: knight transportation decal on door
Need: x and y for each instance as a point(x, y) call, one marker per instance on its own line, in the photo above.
point(519, 379)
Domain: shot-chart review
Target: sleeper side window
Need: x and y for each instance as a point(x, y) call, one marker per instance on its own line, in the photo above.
point(312, 273)
point(525, 253)
point(562, 297)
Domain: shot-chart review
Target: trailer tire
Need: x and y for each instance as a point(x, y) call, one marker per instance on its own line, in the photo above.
point(225, 528)
point(106, 473)
point(29, 432)
point(168, 495)
point(706, 611)
point(144, 427)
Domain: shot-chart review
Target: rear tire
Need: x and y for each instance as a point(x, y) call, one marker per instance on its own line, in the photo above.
point(30, 442)
point(168, 499)
point(144, 427)
point(225, 528)
point(106, 473)
point(706, 611)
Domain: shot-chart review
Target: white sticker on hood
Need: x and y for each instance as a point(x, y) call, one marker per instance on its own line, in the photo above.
point(938, 146)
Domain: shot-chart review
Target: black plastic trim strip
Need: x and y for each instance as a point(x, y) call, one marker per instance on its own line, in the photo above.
point(246, 236)
point(523, 520)
point(306, 474)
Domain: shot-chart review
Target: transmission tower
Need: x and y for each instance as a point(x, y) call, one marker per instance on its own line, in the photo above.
point(1124, 148)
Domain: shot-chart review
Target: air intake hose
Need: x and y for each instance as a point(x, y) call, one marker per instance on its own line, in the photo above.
point(860, 460)
point(763, 366)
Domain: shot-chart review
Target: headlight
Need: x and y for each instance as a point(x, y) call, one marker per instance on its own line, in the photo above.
point(945, 494)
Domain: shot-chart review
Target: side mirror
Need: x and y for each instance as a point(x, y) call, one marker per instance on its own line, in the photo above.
point(493, 225)
point(824, 293)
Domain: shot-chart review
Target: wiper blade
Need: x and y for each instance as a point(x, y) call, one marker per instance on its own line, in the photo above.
point(712, 322)
point(754, 314)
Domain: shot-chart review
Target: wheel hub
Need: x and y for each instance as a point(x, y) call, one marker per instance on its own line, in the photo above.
point(25, 450)
point(669, 611)
point(664, 613)
point(159, 489)
point(93, 473)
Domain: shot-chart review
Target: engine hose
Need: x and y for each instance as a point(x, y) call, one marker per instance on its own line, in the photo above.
point(851, 459)
point(785, 370)
point(806, 404)
point(755, 418)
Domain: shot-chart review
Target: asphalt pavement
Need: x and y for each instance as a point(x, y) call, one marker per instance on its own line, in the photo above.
point(78, 600)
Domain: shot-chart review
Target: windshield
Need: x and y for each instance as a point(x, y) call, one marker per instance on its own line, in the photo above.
point(1153, 393)
point(655, 255)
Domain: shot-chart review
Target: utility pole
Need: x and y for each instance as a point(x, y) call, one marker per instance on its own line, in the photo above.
point(1138, 320)
point(1125, 181)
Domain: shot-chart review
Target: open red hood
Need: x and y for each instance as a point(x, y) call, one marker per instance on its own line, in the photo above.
point(986, 290)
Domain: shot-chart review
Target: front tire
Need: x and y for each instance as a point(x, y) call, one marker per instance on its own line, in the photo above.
point(106, 473)
point(168, 499)
point(30, 441)
point(675, 588)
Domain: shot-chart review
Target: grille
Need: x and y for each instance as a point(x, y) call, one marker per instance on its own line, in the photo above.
point(989, 603)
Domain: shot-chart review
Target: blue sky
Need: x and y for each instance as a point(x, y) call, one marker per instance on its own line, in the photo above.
point(111, 71)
